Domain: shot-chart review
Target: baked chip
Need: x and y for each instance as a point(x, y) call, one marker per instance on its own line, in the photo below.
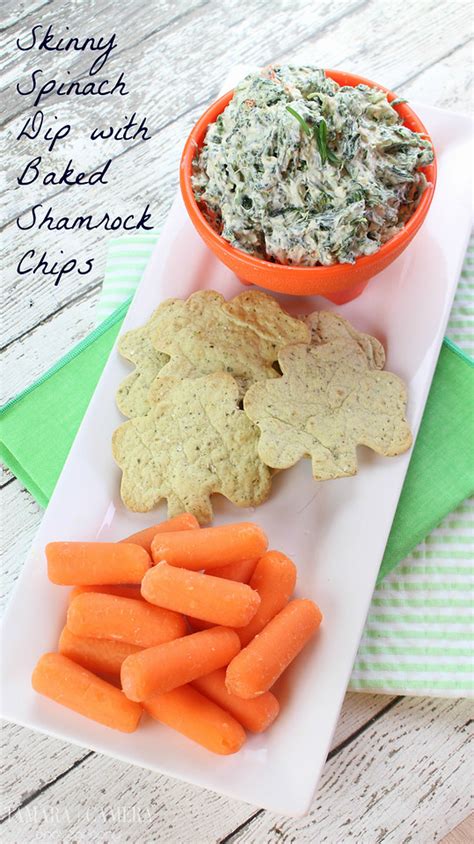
point(206, 334)
point(136, 346)
point(194, 441)
point(327, 402)
point(326, 326)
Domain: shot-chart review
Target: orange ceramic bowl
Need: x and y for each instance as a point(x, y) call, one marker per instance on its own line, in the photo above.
point(339, 282)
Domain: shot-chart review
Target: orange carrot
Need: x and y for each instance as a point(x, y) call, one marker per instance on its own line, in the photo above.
point(210, 548)
point(101, 656)
point(90, 563)
point(163, 668)
point(100, 616)
point(274, 579)
point(241, 572)
point(255, 669)
point(200, 595)
point(124, 591)
point(198, 718)
point(185, 521)
point(255, 715)
point(65, 682)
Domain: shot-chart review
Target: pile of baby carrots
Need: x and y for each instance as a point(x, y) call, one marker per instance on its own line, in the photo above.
point(192, 625)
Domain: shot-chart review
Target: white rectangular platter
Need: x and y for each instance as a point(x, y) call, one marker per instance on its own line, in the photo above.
point(335, 531)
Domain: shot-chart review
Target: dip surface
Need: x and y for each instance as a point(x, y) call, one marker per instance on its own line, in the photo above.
point(300, 170)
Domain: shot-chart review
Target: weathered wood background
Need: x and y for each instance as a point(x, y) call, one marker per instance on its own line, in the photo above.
point(398, 771)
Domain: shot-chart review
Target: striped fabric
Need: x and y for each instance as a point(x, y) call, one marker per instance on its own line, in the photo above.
point(126, 261)
point(418, 637)
point(419, 631)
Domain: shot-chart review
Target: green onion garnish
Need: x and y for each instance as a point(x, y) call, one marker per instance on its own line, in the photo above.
point(305, 127)
point(321, 134)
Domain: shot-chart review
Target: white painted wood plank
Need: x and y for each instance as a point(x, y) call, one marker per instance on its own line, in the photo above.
point(35, 761)
point(21, 516)
point(176, 89)
point(132, 23)
point(30, 762)
point(154, 162)
point(407, 779)
point(6, 476)
point(16, 11)
point(401, 780)
point(448, 84)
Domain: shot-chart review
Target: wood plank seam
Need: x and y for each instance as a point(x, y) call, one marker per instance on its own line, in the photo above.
point(439, 59)
point(34, 794)
point(70, 302)
point(355, 735)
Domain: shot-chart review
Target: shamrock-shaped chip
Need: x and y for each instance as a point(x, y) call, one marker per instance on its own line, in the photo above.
point(206, 334)
point(326, 326)
point(327, 402)
point(136, 346)
point(193, 442)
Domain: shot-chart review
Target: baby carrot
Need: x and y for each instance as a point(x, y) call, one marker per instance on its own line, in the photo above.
point(160, 669)
point(198, 718)
point(200, 595)
point(100, 616)
point(71, 685)
point(124, 591)
point(210, 548)
point(255, 669)
point(185, 521)
point(90, 563)
point(241, 572)
point(274, 579)
point(255, 715)
point(101, 656)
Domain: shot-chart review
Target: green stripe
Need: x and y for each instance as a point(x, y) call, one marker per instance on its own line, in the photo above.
point(456, 603)
point(448, 540)
point(413, 650)
point(412, 618)
point(459, 523)
point(442, 555)
point(408, 633)
point(412, 667)
point(409, 586)
point(451, 684)
point(421, 570)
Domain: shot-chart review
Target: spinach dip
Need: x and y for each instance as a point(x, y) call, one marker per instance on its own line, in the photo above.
point(300, 170)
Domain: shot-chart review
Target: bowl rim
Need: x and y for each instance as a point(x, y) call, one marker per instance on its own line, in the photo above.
point(195, 141)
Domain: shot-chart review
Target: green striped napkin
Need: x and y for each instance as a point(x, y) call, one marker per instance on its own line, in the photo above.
point(418, 637)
